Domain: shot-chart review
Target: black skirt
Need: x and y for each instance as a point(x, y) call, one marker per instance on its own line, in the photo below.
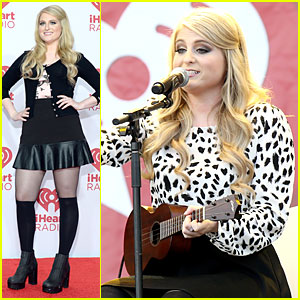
point(49, 142)
point(207, 272)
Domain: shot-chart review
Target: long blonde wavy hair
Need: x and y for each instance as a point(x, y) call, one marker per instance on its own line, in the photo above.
point(238, 93)
point(37, 56)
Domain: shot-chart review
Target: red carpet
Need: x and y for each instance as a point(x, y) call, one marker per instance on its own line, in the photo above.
point(84, 279)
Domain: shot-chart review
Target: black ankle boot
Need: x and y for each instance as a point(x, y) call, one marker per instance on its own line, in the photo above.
point(27, 268)
point(59, 276)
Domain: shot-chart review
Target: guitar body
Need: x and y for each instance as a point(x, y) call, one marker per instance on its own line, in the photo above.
point(161, 229)
point(152, 246)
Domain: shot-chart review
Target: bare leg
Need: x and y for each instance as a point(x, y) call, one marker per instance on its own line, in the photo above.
point(28, 184)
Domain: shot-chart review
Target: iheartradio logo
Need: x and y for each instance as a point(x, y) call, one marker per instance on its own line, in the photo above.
point(97, 5)
point(96, 157)
point(95, 19)
point(6, 156)
point(4, 69)
point(47, 197)
point(4, 4)
point(8, 18)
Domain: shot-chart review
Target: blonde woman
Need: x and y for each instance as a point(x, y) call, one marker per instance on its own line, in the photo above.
point(52, 138)
point(219, 138)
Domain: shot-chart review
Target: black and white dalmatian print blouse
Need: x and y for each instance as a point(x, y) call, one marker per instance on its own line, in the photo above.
point(272, 153)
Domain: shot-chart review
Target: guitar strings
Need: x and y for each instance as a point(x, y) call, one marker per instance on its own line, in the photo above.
point(177, 218)
point(172, 226)
point(156, 233)
point(193, 214)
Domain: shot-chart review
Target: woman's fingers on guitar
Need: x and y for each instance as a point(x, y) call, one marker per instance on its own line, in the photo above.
point(190, 209)
point(189, 227)
point(186, 226)
point(195, 225)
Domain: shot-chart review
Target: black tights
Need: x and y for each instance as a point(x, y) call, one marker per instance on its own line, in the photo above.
point(28, 184)
point(108, 291)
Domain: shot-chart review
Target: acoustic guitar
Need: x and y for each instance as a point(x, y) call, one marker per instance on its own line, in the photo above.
point(161, 228)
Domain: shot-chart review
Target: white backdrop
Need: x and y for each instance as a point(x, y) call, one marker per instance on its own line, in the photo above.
point(134, 47)
point(18, 22)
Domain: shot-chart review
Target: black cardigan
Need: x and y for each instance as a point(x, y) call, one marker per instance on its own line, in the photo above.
point(59, 83)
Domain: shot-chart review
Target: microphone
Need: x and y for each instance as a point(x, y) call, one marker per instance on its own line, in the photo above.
point(178, 78)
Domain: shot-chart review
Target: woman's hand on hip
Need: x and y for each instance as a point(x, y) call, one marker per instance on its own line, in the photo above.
point(193, 228)
point(21, 115)
point(66, 101)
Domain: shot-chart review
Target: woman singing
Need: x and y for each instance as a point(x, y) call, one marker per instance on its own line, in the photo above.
point(220, 137)
point(52, 138)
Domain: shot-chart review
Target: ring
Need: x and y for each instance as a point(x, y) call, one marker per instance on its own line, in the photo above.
point(191, 229)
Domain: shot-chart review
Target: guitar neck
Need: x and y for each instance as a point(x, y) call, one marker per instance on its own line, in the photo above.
point(220, 210)
point(174, 225)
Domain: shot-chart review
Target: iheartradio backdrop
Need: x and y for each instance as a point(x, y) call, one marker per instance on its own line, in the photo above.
point(18, 22)
point(134, 46)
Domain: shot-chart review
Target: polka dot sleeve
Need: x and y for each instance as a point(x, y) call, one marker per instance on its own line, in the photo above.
point(263, 219)
point(116, 149)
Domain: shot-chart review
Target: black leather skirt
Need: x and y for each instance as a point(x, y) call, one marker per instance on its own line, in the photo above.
point(49, 142)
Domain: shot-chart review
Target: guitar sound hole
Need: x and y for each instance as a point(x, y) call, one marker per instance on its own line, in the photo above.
point(154, 234)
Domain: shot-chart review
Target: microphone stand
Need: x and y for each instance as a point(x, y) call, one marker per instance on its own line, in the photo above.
point(133, 129)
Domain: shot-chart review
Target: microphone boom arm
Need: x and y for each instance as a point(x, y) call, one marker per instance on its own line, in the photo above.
point(143, 112)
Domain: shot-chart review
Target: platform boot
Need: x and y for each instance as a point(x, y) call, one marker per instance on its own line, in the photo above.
point(59, 275)
point(27, 268)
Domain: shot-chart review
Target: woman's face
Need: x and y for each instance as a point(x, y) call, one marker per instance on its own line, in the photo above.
point(205, 63)
point(49, 28)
